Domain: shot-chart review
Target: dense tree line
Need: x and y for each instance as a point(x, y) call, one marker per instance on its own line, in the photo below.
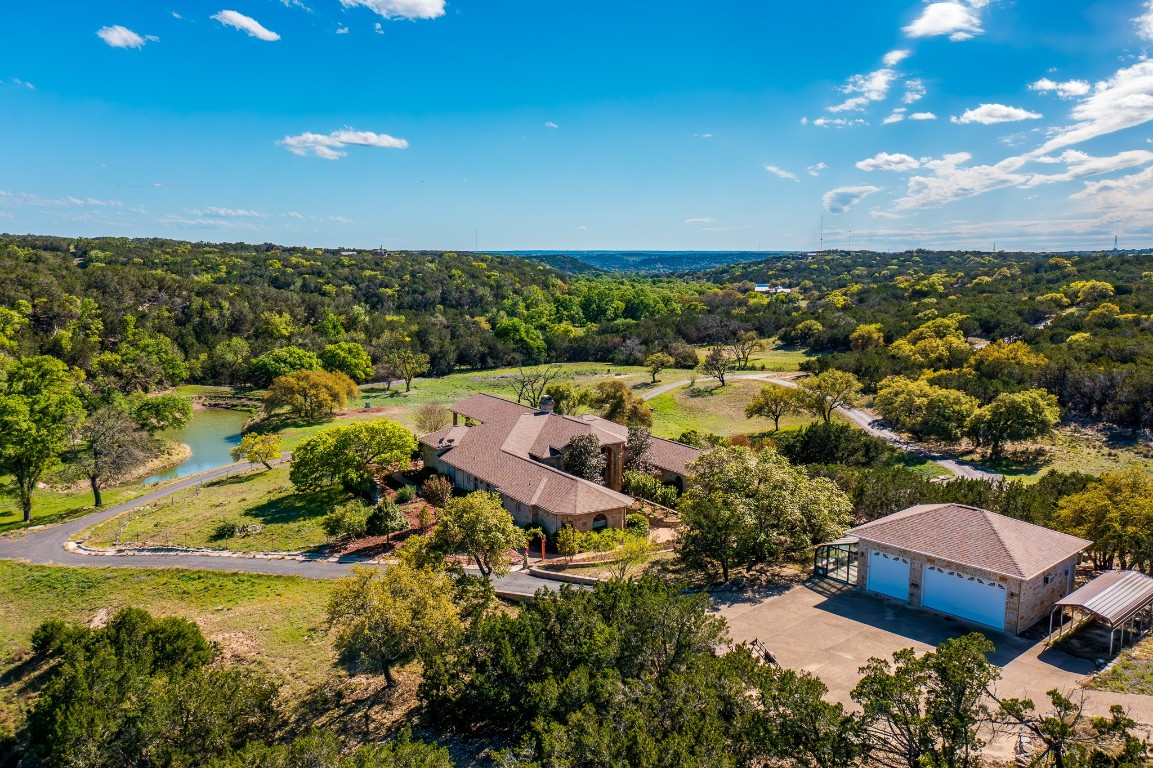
point(150, 313)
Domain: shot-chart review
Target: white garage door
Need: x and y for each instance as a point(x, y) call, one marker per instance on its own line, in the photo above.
point(889, 575)
point(961, 594)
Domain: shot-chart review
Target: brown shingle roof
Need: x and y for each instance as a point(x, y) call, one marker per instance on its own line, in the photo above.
point(484, 453)
point(505, 448)
point(484, 408)
point(974, 537)
point(672, 456)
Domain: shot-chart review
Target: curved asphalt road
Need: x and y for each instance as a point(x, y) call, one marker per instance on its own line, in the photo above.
point(866, 421)
point(45, 546)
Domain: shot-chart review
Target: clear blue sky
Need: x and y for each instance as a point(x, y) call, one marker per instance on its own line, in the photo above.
point(628, 124)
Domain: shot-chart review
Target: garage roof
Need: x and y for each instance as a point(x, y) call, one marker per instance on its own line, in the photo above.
point(1114, 596)
point(975, 537)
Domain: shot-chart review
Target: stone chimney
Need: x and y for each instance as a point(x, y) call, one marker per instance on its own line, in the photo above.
point(547, 404)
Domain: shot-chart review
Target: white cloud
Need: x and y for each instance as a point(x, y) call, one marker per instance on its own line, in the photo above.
point(958, 21)
point(990, 114)
point(1120, 193)
point(1144, 22)
point(922, 116)
point(1123, 101)
point(378, 28)
point(550, 124)
point(25, 83)
point(27, 200)
point(709, 135)
point(914, 91)
point(815, 170)
point(342, 31)
point(870, 87)
point(781, 172)
point(893, 58)
point(582, 228)
point(842, 199)
point(883, 161)
point(176, 15)
point(836, 122)
point(950, 181)
point(400, 9)
point(123, 37)
point(230, 213)
point(701, 220)
point(246, 24)
point(330, 146)
point(896, 116)
point(1079, 164)
point(1066, 90)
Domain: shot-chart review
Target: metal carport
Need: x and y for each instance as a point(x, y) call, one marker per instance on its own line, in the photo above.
point(1121, 600)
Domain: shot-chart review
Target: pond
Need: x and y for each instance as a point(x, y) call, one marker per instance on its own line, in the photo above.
point(211, 435)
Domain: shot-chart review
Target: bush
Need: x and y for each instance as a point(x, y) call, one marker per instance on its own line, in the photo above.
point(348, 521)
point(833, 443)
point(650, 488)
point(50, 637)
point(405, 494)
point(637, 524)
point(437, 490)
point(386, 519)
point(225, 531)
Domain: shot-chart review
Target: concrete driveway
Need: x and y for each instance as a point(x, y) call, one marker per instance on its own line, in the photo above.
point(833, 630)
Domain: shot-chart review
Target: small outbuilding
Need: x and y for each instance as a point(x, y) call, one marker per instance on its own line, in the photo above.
point(1121, 601)
point(996, 571)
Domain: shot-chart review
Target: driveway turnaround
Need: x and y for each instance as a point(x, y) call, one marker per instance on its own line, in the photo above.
point(46, 546)
point(833, 630)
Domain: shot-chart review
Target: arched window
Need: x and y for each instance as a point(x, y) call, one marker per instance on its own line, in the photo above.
point(600, 521)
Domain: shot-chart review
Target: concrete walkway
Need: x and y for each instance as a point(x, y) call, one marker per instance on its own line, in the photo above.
point(864, 419)
point(48, 546)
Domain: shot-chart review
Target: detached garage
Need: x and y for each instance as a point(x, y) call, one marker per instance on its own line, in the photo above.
point(976, 565)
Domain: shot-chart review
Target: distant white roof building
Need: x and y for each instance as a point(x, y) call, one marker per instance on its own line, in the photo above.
point(766, 288)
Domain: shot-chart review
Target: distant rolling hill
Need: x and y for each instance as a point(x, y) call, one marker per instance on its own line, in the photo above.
point(580, 262)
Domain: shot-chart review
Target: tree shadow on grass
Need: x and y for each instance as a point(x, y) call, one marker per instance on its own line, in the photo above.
point(295, 507)
point(702, 391)
point(237, 479)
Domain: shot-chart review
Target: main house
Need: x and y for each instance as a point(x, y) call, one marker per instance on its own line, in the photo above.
point(498, 445)
point(967, 562)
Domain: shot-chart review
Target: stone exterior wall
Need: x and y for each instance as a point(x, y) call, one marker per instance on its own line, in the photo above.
point(917, 564)
point(1038, 598)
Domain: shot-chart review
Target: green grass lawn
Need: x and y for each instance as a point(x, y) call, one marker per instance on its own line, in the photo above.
point(711, 409)
point(288, 521)
point(273, 619)
point(50, 506)
point(780, 359)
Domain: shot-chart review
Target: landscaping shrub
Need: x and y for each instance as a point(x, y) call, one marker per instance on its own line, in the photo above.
point(437, 490)
point(650, 488)
point(348, 521)
point(637, 524)
point(386, 519)
point(405, 494)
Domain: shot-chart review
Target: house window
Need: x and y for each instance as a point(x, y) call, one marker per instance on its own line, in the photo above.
point(600, 521)
point(1048, 579)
